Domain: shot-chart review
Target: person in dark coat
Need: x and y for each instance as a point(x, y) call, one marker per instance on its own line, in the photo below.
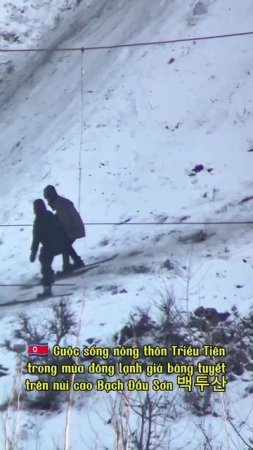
point(72, 224)
point(47, 231)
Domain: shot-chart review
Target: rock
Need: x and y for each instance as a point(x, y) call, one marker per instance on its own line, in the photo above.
point(198, 168)
point(211, 315)
point(199, 9)
point(125, 334)
point(168, 265)
point(238, 369)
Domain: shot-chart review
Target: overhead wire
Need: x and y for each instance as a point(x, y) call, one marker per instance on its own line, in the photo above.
point(236, 222)
point(133, 44)
point(33, 285)
point(81, 132)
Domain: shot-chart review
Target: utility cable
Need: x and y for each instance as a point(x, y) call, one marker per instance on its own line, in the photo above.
point(134, 44)
point(81, 132)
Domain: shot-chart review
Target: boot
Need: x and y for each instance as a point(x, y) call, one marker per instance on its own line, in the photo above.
point(78, 264)
point(47, 293)
point(67, 269)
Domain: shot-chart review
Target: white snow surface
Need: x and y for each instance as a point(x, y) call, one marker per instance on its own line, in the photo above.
point(151, 114)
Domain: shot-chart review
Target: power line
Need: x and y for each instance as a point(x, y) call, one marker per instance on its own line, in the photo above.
point(34, 285)
point(238, 222)
point(134, 44)
point(81, 132)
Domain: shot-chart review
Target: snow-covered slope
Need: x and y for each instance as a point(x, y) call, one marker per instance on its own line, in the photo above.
point(151, 114)
point(148, 123)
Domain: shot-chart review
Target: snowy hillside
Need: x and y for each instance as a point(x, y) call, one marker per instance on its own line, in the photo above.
point(151, 115)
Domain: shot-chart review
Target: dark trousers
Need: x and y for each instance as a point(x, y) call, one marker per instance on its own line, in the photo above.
point(70, 252)
point(46, 259)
